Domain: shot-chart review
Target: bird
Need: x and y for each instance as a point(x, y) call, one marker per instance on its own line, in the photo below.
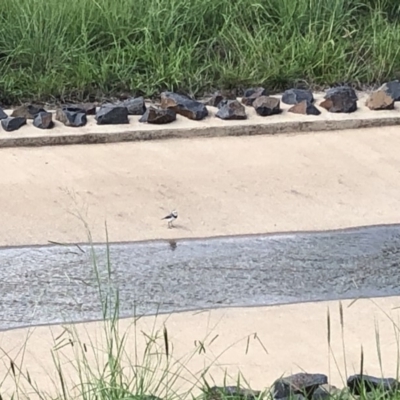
point(171, 218)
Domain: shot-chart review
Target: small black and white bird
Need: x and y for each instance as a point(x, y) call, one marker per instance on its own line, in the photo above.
point(171, 218)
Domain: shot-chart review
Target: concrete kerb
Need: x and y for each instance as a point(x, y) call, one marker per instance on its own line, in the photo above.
point(29, 136)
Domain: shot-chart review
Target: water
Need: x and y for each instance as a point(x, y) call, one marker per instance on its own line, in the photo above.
point(52, 284)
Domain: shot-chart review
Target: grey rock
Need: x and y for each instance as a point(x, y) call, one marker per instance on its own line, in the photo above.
point(357, 382)
point(341, 99)
point(135, 105)
point(294, 96)
point(392, 88)
point(3, 115)
point(43, 120)
point(182, 105)
point(10, 124)
point(27, 111)
point(222, 96)
point(251, 94)
point(304, 107)
point(266, 106)
point(112, 114)
point(71, 116)
point(232, 110)
point(158, 116)
point(301, 383)
point(224, 392)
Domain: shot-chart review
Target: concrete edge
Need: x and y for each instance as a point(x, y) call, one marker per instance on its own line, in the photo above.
point(171, 132)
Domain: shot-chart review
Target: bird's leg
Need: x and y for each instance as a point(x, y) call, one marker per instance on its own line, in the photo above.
point(169, 224)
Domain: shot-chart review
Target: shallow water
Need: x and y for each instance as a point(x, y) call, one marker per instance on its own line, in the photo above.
point(53, 284)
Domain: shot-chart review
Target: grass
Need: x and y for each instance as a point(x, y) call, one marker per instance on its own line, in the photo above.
point(138, 365)
point(90, 49)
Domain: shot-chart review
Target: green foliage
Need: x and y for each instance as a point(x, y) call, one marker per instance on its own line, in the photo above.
point(76, 48)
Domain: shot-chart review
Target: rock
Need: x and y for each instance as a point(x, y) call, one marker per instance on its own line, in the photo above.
point(392, 88)
point(89, 108)
point(380, 100)
point(266, 106)
point(221, 95)
point(43, 120)
point(294, 397)
point(294, 96)
point(304, 107)
point(341, 99)
point(221, 393)
point(71, 116)
point(3, 115)
point(112, 114)
point(182, 105)
point(356, 383)
point(10, 124)
point(158, 116)
point(135, 105)
point(232, 110)
point(301, 383)
point(251, 94)
point(325, 392)
point(27, 111)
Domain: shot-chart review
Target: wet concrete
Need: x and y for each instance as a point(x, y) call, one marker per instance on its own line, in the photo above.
point(52, 284)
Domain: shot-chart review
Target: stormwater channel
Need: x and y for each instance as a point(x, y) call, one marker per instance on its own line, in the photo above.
point(56, 283)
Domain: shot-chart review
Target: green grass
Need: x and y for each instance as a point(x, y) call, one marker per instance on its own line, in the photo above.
point(80, 49)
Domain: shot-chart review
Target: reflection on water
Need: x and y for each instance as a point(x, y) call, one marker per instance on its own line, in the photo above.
point(58, 283)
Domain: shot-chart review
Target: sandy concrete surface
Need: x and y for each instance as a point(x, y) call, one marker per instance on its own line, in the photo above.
point(220, 186)
point(211, 126)
point(263, 343)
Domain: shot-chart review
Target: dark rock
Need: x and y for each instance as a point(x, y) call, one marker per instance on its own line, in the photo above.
point(233, 109)
point(349, 91)
point(266, 106)
point(356, 384)
point(294, 96)
point(224, 392)
point(392, 88)
point(71, 116)
point(341, 99)
point(135, 105)
point(294, 397)
point(43, 120)
point(89, 108)
point(112, 114)
point(380, 100)
point(3, 115)
point(301, 383)
point(27, 111)
point(304, 107)
point(222, 95)
point(325, 392)
point(10, 124)
point(251, 94)
point(182, 105)
point(158, 116)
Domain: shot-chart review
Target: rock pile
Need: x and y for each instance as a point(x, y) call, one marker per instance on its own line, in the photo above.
point(304, 386)
point(341, 99)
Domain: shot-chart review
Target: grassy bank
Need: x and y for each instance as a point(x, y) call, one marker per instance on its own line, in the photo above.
point(81, 48)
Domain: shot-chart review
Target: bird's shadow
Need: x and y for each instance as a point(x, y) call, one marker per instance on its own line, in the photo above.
point(177, 226)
